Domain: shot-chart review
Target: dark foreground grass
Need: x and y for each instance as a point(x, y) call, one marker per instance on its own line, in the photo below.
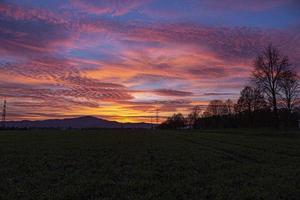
point(139, 164)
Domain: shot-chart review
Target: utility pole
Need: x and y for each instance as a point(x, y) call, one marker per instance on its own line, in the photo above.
point(151, 122)
point(4, 115)
point(156, 117)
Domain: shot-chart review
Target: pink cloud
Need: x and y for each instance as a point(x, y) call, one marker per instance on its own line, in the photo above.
point(19, 13)
point(182, 56)
point(168, 92)
point(67, 82)
point(113, 7)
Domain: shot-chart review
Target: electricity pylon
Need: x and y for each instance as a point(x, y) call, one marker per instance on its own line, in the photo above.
point(4, 115)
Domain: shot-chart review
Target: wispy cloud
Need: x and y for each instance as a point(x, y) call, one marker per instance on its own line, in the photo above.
point(113, 59)
point(168, 92)
point(112, 7)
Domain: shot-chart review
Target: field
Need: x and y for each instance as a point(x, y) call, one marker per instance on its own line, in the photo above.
point(144, 164)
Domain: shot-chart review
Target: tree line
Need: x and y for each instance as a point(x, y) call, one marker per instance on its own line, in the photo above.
point(270, 99)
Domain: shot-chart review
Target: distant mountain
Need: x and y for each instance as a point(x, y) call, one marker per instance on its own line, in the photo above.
point(79, 122)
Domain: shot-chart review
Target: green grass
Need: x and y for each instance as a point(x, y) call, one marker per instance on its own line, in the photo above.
point(140, 164)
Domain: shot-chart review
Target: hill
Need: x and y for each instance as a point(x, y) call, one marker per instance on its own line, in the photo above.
point(77, 123)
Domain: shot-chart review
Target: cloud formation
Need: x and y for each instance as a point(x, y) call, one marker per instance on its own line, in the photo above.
point(168, 92)
point(112, 7)
point(123, 61)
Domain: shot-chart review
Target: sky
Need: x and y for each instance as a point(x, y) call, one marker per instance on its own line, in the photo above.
point(124, 59)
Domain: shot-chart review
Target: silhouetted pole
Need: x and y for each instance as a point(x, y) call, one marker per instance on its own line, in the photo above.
point(156, 117)
point(4, 115)
point(151, 122)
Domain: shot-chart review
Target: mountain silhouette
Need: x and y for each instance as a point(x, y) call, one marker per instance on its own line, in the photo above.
point(79, 122)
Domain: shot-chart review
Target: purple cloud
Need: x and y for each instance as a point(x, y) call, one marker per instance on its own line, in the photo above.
point(168, 92)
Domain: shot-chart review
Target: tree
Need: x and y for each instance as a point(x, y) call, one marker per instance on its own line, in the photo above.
point(215, 108)
point(269, 69)
point(193, 116)
point(251, 100)
point(177, 121)
point(229, 106)
point(290, 90)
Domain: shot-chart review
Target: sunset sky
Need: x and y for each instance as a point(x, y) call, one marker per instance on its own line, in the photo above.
point(123, 59)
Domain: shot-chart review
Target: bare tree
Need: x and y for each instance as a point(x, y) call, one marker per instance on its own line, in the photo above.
point(229, 106)
point(290, 90)
point(177, 121)
point(215, 108)
point(251, 100)
point(193, 116)
point(269, 69)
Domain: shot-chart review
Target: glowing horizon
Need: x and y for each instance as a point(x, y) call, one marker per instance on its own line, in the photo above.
point(123, 60)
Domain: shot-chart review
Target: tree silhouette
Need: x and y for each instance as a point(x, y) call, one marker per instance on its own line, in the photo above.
point(269, 69)
point(215, 108)
point(290, 90)
point(250, 101)
point(193, 117)
point(229, 106)
point(177, 121)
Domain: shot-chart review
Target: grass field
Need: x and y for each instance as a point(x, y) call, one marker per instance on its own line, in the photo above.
point(140, 164)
